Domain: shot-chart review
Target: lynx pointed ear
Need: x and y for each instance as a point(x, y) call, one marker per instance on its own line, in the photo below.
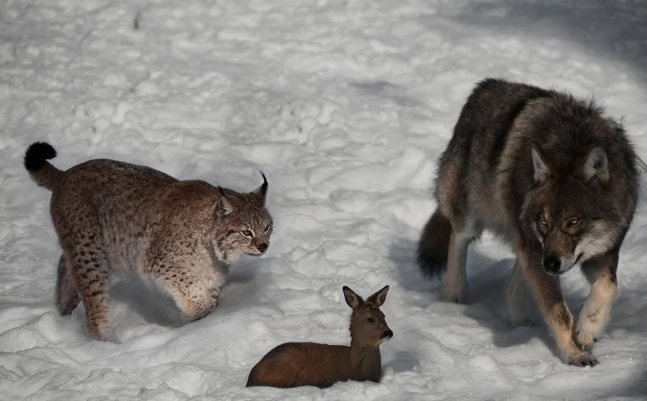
point(353, 300)
point(596, 165)
point(223, 205)
point(542, 171)
point(379, 297)
point(261, 191)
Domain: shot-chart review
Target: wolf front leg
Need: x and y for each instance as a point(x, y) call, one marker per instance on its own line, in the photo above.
point(548, 293)
point(601, 273)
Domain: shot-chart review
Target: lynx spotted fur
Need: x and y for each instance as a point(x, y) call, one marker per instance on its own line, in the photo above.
point(115, 217)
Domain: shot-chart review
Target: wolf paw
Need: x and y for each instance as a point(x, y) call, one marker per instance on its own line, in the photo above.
point(581, 359)
point(588, 331)
point(454, 298)
point(454, 293)
point(586, 339)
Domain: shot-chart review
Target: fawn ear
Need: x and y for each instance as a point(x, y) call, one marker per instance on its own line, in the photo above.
point(379, 297)
point(542, 171)
point(223, 205)
point(353, 300)
point(596, 166)
point(261, 191)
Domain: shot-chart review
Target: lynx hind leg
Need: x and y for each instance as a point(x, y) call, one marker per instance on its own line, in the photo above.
point(194, 294)
point(81, 240)
point(67, 297)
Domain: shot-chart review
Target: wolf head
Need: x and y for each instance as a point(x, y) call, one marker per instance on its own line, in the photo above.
point(570, 214)
point(243, 224)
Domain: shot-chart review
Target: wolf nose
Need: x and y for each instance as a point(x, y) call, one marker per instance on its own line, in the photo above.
point(551, 264)
point(262, 247)
point(387, 333)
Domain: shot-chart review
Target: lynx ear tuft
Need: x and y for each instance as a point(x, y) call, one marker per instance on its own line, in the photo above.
point(223, 206)
point(261, 191)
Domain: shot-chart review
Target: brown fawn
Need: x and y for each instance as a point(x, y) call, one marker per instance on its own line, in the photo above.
point(322, 365)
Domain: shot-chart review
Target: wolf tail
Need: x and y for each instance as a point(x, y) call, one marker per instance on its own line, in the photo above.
point(39, 168)
point(434, 244)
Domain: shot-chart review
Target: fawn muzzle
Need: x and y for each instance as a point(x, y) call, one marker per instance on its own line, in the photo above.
point(387, 334)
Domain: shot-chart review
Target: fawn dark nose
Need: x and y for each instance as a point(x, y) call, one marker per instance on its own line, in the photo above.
point(551, 264)
point(262, 247)
point(387, 333)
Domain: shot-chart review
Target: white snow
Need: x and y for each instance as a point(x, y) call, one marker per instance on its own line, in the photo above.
point(345, 105)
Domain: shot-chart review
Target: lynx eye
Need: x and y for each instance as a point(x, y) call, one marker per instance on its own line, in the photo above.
point(246, 233)
point(371, 320)
point(574, 221)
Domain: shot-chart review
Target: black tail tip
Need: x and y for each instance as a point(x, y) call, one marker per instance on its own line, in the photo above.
point(37, 154)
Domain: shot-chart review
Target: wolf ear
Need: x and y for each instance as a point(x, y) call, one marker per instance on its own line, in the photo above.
point(261, 191)
point(542, 171)
point(353, 300)
point(596, 165)
point(223, 205)
point(379, 297)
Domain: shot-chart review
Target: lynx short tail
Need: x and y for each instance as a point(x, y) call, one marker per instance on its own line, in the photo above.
point(40, 169)
point(434, 244)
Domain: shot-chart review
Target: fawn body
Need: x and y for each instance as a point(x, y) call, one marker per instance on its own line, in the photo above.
point(321, 365)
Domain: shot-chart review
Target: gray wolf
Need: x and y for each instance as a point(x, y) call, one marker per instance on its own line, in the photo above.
point(555, 178)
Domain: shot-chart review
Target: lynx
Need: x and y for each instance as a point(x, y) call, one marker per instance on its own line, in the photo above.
point(115, 217)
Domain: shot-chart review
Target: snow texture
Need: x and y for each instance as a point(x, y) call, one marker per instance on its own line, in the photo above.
point(346, 106)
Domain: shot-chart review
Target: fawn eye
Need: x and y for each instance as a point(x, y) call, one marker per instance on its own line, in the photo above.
point(247, 233)
point(371, 320)
point(574, 221)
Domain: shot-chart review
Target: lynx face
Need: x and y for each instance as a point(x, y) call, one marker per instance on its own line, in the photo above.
point(245, 224)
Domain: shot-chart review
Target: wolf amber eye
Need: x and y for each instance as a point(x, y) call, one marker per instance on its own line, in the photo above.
point(246, 233)
point(542, 221)
point(574, 221)
point(371, 320)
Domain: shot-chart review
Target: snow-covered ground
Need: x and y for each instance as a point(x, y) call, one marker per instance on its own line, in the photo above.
point(345, 105)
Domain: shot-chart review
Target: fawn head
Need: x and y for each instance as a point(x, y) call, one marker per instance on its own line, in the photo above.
point(367, 322)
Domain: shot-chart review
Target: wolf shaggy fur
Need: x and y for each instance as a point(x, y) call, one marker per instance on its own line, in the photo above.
point(556, 179)
point(115, 217)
